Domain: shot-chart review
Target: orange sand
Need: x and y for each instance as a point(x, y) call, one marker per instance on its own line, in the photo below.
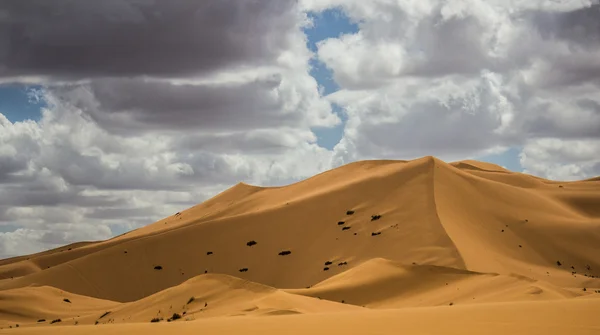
point(465, 247)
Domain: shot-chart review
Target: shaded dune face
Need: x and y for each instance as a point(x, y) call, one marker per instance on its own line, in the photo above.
point(371, 234)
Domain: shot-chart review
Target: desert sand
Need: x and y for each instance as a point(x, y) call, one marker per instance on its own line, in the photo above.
point(372, 247)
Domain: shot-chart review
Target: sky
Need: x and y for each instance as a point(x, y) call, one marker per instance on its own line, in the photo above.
point(117, 113)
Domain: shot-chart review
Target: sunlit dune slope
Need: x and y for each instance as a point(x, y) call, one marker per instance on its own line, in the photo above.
point(463, 216)
point(41, 305)
point(205, 296)
point(380, 283)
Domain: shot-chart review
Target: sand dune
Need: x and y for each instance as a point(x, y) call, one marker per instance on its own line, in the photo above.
point(205, 296)
point(41, 305)
point(380, 283)
point(378, 234)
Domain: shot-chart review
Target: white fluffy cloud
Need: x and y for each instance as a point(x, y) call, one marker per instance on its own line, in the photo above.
point(403, 120)
point(461, 79)
point(163, 121)
point(561, 159)
point(117, 150)
point(65, 178)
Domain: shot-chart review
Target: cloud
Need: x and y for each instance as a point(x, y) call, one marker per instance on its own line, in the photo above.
point(560, 159)
point(152, 107)
point(19, 242)
point(71, 39)
point(79, 177)
point(579, 26)
point(403, 121)
point(15, 142)
point(213, 66)
point(460, 79)
point(429, 39)
point(135, 105)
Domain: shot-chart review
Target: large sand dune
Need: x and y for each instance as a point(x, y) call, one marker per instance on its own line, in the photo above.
point(469, 246)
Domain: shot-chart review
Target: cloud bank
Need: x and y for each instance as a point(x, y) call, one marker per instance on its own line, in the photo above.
point(154, 106)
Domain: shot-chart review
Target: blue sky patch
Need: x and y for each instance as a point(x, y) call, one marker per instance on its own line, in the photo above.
point(329, 137)
point(509, 159)
point(330, 23)
point(17, 105)
point(8, 228)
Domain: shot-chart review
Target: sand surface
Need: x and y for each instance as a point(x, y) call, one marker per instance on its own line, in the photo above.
point(373, 247)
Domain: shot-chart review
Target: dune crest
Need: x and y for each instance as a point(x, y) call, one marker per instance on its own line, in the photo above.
point(361, 238)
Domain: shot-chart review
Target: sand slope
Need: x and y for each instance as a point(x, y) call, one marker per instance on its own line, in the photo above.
point(529, 318)
point(41, 305)
point(204, 296)
point(380, 283)
point(463, 233)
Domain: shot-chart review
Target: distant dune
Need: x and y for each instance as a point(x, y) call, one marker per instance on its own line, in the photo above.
point(419, 246)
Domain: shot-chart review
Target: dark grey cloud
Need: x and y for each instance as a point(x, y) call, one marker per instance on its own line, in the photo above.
point(130, 174)
point(135, 105)
point(3, 215)
point(256, 142)
point(573, 69)
point(10, 165)
point(31, 195)
point(569, 46)
point(82, 39)
point(53, 237)
point(545, 119)
point(444, 43)
point(120, 212)
point(152, 106)
point(580, 26)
